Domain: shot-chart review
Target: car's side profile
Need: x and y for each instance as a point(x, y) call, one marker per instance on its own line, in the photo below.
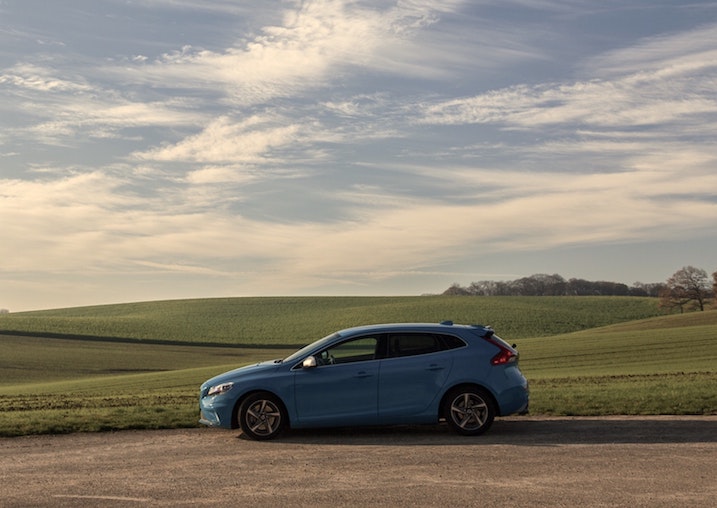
point(374, 375)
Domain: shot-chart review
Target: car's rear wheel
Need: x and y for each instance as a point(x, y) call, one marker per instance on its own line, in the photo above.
point(469, 411)
point(262, 416)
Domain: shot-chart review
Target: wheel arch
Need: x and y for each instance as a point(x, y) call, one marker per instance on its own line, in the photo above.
point(443, 406)
point(240, 401)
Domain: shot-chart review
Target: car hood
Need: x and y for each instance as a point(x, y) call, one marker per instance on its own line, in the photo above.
point(236, 374)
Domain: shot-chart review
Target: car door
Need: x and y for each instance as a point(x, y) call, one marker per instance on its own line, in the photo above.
point(411, 377)
point(342, 389)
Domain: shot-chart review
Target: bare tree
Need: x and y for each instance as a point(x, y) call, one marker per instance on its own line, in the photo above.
point(652, 289)
point(456, 290)
point(687, 287)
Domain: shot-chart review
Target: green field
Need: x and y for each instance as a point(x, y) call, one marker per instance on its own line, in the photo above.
point(296, 321)
point(140, 365)
point(665, 365)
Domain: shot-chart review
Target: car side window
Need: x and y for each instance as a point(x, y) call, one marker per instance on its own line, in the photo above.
point(354, 350)
point(411, 344)
point(452, 342)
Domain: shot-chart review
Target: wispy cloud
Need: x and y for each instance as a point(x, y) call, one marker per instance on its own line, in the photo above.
point(227, 141)
point(58, 108)
point(341, 145)
point(642, 99)
point(318, 42)
point(681, 53)
point(30, 77)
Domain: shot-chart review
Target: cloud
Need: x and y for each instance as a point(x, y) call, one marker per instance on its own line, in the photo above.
point(219, 175)
point(632, 101)
point(334, 144)
point(657, 82)
point(31, 77)
point(316, 43)
point(686, 52)
point(227, 7)
point(227, 141)
point(56, 224)
point(280, 61)
point(58, 108)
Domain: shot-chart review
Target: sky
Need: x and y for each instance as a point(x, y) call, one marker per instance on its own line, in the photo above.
point(170, 149)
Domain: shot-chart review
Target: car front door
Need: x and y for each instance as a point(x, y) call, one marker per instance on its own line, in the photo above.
point(342, 389)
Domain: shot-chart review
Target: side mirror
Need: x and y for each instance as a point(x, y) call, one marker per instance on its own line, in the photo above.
point(309, 362)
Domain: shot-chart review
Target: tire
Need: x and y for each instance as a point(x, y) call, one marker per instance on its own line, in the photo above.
point(262, 416)
point(469, 411)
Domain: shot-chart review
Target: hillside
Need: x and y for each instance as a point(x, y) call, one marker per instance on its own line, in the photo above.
point(664, 365)
point(658, 365)
point(296, 321)
point(676, 343)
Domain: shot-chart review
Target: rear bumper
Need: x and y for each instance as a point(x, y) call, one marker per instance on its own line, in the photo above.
point(515, 400)
point(526, 409)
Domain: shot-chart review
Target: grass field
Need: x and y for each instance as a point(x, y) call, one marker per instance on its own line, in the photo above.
point(140, 365)
point(665, 365)
point(296, 321)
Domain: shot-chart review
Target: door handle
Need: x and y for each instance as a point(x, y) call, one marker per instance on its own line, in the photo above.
point(363, 373)
point(434, 366)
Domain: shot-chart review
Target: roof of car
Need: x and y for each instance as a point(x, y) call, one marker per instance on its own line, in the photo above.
point(417, 327)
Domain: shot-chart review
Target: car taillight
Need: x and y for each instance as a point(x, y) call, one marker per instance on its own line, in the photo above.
point(505, 355)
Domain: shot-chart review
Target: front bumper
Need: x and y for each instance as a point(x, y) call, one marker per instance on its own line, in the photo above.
point(216, 411)
point(209, 418)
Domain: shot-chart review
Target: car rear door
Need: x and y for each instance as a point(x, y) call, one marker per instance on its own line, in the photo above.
point(412, 376)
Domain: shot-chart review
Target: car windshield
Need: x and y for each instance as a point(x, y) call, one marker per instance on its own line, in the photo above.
point(304, 350)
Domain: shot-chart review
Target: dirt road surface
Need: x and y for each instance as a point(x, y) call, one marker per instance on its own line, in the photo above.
point(521, 461)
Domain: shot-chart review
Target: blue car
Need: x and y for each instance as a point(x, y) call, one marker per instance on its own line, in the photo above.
point(374, 375)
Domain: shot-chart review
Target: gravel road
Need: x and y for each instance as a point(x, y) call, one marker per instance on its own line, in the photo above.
point(521, 461)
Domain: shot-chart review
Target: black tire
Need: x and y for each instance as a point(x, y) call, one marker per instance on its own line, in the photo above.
point(262, 416)
point(469, 411)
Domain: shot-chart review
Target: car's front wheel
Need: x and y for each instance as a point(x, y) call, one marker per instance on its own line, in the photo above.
point(469, 411)
point(261, 416)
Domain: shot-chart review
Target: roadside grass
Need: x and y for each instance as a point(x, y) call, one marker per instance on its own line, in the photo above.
point(65, 421)
point(119, 402)
point(681, 393)
point(108, 400)
point(663, 365)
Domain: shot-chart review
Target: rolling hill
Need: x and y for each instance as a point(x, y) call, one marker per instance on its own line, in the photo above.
point(139, 365)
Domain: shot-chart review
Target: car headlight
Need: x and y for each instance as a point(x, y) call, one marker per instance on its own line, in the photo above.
point(219, 389)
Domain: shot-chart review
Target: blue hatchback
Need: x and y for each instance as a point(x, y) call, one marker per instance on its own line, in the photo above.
point(374, 375)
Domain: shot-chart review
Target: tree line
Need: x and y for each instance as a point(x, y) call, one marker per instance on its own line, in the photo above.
point(687, 289)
